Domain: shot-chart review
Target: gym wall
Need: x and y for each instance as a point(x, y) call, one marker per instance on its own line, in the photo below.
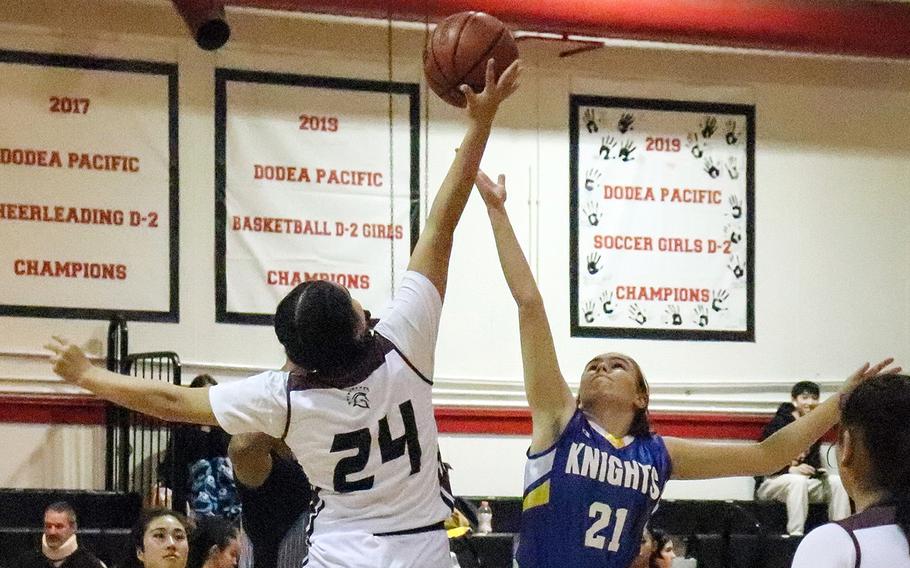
point(832, 282)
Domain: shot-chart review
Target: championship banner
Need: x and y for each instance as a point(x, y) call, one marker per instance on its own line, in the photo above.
point(88, 188)
point(662, 219)
point(316, 179)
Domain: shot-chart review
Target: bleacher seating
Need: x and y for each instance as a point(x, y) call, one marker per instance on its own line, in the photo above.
point(105, 519)
point(718, 534)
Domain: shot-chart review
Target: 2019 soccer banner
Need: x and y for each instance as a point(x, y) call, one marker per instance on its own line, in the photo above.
point(316, 179)
point(88, 187)
point(662, 219)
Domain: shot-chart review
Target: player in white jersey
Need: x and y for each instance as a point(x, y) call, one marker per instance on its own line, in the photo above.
point(356, 406)
point(873, 456)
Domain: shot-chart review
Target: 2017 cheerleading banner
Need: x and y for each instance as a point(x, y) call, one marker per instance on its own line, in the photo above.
point(662, 219)
point(88, 187)
point(316, 179)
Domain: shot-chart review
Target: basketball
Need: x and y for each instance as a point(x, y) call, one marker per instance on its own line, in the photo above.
point(458, 52)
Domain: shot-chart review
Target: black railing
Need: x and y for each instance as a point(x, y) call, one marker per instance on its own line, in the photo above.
point(117, 349)
point(148, 437)
point(136, 444)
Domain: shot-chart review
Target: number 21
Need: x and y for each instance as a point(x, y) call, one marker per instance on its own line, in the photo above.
point(602, 515)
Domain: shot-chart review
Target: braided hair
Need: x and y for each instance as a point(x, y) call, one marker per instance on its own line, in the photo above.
point(879, 411)
point(318, 327)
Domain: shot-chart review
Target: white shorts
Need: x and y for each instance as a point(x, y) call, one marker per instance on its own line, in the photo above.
point(365, 550)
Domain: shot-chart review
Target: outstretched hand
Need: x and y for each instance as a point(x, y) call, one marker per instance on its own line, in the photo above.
point(69, 361)
point(493, 193)
point(867, 372)
point(482, 106)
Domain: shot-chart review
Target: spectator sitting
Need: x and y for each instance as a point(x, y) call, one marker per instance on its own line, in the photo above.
point(214, 543)
point(159, 539)
point(59, 547)
point(663, 554)
point(804, 481)
point(197, 469)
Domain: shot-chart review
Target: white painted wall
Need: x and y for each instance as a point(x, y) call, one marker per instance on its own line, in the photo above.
point(58, 457)
point(832, 210)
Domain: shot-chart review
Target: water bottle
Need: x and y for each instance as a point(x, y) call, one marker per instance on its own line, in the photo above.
point(484, 518)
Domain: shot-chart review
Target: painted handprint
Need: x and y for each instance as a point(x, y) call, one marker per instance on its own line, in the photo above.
point(736, 266)
point(736, 207)
point(637, 315)
point(606, 146)
point(732, 135)
point(606, 302)
point(732, 167)
point(673, 316)
point(625, 153)
point(590, 121)
point(718, 299)
point(592, 212)
point(701, 316)
point(625, 122)
point(711, 168)
point(708, 127)
point(733, 233)
point(593, 263)
point(694, 145)
point(592, 176)
point(589, 311)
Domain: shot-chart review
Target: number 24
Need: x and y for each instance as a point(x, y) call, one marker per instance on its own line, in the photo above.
point(602, 515)
point(389, 449)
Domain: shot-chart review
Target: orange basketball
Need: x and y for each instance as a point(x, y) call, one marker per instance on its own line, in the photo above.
point(459, 50)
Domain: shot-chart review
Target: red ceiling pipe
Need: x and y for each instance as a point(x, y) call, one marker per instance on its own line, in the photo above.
point(844, 27)
point(205, 19)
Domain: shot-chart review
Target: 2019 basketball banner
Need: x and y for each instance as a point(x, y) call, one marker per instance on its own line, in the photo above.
point(88, 187)
point(662, 219)
point(316, 178)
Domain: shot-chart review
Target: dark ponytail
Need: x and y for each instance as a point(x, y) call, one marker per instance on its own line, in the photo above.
point(641, 423)
point(879, 411)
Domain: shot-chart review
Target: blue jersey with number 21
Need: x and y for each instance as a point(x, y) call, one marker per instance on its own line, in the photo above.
point(588, 498)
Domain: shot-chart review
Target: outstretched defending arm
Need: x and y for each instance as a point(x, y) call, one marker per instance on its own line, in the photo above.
point(548, 394)
point(155, 398)
point(434, 247)
point(701, 460)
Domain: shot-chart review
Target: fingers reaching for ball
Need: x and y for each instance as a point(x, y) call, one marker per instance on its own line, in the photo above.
point(483, 105)
point(493, 193)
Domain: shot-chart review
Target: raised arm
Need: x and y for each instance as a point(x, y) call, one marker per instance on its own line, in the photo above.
point(155, 398)
point(434, 247)
point(548, 394)
point(702, 460)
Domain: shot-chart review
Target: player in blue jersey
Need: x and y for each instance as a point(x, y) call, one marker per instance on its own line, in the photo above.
point(595, 470)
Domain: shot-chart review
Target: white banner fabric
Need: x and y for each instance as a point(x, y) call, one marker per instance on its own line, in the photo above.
point(311, 192)
point(663, 225)
point(85, 188)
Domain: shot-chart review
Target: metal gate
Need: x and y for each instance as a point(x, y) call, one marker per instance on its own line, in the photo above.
point(136, 443)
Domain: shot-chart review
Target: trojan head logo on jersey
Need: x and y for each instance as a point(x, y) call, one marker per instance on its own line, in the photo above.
point(357, 396)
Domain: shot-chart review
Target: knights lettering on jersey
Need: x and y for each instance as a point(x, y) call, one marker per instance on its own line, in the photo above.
point(588, 498)
point(588, 461)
